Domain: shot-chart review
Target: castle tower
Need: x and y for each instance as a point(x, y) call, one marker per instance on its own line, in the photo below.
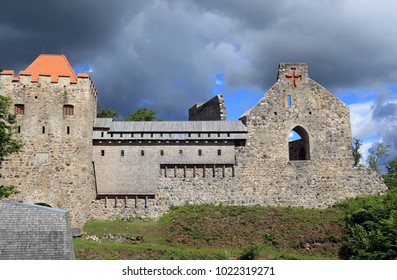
point(55, 111)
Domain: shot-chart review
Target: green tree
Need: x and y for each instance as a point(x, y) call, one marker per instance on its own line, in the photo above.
point(8, 144)
point(107, 113)
point(390, 178)
point(381, 150)
point(372, 227)
point(357, 143)
point(143, 114)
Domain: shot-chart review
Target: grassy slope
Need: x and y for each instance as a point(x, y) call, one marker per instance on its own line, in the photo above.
point(222, 232)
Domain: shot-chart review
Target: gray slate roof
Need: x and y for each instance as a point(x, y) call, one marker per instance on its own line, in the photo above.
point(171, 126)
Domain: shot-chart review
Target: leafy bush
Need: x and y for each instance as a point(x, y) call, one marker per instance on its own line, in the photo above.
point(251, 252)
point(372, 227)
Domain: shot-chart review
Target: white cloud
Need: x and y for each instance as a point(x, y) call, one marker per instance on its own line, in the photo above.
point(362, 122)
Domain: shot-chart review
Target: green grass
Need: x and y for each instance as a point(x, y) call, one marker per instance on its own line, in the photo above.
point(222, 232)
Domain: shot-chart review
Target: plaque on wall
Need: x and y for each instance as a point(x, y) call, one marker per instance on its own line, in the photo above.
point(42, 159)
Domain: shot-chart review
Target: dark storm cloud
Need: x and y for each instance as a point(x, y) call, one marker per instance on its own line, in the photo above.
point(81, 28)
point(165, 54)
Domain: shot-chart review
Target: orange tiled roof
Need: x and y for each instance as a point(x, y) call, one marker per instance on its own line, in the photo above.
point(7, 72)
point(54, 65)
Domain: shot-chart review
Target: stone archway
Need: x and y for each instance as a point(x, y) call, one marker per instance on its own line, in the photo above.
point(299, 148)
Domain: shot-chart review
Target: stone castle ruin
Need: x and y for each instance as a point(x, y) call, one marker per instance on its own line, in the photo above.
point(101, 168)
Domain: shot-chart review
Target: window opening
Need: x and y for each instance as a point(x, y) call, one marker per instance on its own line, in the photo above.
point(299, 146)
point(102, 133)
point(43, 129)
point(68, 110)
point(142, 153)
point(200, 152)
point(68, 130)
point(181, 152)
point(102, 152)
point(19, 129)
point(122, 153)
point(219, 152)
point(19, 109)
point(161, 152)
point(289, 101)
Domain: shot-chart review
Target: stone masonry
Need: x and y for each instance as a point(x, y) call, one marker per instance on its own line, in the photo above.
point(106, 169)
point(212, 110)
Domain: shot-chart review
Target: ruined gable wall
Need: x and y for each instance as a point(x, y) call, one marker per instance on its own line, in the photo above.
point(55, 164)
point(214, 109)
point(329, 175)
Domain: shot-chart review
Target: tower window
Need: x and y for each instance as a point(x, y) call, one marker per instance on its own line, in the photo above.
point(19, 109)
point(43, 129)
point(68, 130)
point(19, 129)
point(68, 110)
point(200, 152)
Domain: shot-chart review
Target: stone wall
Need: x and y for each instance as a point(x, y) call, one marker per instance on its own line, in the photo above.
point(214, 109)
point(59, 164)
point(32, 232)
point(55, 164)
point(263, 173)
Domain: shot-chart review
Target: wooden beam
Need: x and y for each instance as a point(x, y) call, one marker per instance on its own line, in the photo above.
point(106, 202)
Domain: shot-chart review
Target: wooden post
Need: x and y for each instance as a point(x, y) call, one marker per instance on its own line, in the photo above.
point(194, 171)
point(175, 171)
point(204, 170)
point(136, 201)
point(146, 201)
point(106, 202)
point(115, 202)
point(213, 171)
point(184, 171)
point(165, 171)
point(125, 202)
point(223, 171)
point(232, 170)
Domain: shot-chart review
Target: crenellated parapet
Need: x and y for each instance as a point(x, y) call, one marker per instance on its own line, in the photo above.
point(8, 79)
